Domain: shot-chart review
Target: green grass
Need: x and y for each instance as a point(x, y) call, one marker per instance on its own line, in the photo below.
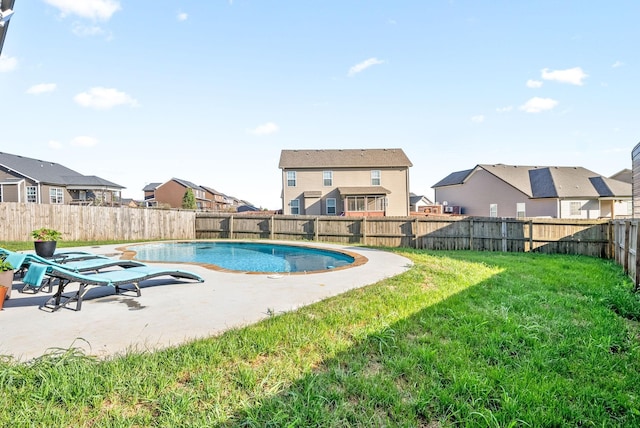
point(462, 338)
point(28, 245)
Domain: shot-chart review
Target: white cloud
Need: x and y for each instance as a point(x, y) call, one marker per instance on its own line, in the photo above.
point(573, 76)
point(534, 83)
point(56, 145)
point(617, 64)
point(504, 109)
point(8, 63)
point(104, 98)
point(265, 129)
point(477, 119)
point(84, 141)
point(537, 105)
point(364, 65)
point(182, 16)
point(82, 30)
point(92, 9)
point(42, 88)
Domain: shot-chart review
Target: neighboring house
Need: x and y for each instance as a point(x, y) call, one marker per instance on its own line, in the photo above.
point(219, 201)
point(170, 193)
point(150, 194)
point(245, 208)
point(534, 191)
point(625, 175)
point(418, 203)
point(353, 182)
point(37, 181)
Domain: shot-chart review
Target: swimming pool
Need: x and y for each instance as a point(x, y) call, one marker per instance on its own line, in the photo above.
point(246, 256)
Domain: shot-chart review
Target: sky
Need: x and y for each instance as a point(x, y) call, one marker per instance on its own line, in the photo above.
point(210, 91)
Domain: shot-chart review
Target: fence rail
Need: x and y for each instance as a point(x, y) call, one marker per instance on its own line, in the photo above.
point(598, 238)
point(591, 238)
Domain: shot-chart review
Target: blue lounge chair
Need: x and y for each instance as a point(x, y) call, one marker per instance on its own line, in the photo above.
point(88, 265)
point(39, 273)
point(23, 261)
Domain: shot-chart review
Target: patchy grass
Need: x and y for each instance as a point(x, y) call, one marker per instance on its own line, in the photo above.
point(462, 338)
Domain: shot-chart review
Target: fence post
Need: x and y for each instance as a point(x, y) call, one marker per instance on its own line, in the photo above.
point(636, 280)
point(503, 232)
point(316, 227)
point(414, 232)
point(471, 233)
point(273, 227)
point(231, 227)
point(530, 235)
point(363, 225)
point(627, 227)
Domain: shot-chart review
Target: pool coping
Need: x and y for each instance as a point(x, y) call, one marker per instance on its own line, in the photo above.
point(358, 259)
point(172, 312)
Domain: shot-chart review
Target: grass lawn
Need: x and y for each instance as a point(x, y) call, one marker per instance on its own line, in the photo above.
point(462, 338)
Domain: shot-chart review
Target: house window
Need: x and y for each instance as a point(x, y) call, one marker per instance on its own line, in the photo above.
point(493, 210)
point(575, 208)
point(520, 210)
point(291, 178)
point(327, 178)
point(366, 203)
point(295, 206)
point(55, 196)
point(331, 206)
point(375, 177)
point(32, 194)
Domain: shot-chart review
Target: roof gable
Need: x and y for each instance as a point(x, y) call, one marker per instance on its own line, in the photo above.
point(344, 158)
point(51, 172)
point(548, 181)
point(454, 178)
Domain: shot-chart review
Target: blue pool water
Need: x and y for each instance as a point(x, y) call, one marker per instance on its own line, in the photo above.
point(245, 256)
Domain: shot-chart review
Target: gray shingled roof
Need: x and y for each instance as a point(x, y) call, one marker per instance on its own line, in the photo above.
point(549, 181)
point(51, 173)
point(186, 183)
point(454, 178)
point(151, 187)
point(344, 158)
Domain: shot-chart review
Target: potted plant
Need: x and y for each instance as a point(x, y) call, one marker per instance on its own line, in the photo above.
point(45, 241)
point(6, 281)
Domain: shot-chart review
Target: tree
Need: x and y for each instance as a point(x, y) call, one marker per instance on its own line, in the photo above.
point(188, 200)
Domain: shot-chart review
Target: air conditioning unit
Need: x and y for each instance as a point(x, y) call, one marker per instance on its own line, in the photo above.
point(448, 209)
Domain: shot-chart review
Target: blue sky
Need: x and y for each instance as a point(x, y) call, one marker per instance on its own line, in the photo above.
point(139, 91)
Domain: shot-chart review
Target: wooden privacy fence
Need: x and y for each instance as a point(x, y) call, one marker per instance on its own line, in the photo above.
point(587, 237)
point(82, 223)
point(626, 248)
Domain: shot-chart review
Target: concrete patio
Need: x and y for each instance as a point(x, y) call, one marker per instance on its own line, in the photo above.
point(171, 312)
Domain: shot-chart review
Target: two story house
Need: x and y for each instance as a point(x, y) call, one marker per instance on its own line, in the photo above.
point(352, 182)
point(534, 191)
point(171, 192)
point(29, 180)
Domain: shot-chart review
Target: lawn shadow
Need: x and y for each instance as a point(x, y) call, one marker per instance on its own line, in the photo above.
point(494, 353)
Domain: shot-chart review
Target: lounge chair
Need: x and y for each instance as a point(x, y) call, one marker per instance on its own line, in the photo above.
point(39, 273)
point(89, 265)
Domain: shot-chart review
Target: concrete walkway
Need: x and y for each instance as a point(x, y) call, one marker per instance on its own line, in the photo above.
point(171, 312)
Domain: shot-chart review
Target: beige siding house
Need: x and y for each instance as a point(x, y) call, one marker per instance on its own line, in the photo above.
point(352, 182)
point(534, 191)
